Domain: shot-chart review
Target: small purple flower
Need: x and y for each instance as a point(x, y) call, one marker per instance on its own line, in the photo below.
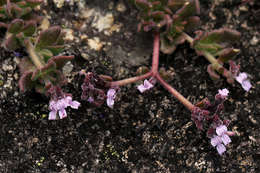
point(111, 95)
point(242, 79)
point(223, 93)
point(90, 99)
point(60, 106)
point(220, 139)
point(146, 86)
point(17, 54)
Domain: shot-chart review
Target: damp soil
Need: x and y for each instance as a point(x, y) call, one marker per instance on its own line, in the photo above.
point(150, 132)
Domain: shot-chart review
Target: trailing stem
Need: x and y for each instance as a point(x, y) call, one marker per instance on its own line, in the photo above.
point(154, 73)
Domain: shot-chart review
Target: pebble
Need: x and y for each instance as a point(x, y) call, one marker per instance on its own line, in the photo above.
point(121, 7)
point(254, 41)
point(95, 44)
point(6, 67)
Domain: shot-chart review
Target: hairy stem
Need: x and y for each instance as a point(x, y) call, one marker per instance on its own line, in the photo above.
point(212, 60)
point(130, 80)
point(33, 55)
point(175, 93)
point(154, 70)
point(156, 50)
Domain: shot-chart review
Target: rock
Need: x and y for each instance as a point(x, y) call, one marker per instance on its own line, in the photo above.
point(95, 44)
point(254, 41)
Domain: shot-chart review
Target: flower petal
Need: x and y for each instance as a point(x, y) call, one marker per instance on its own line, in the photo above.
point(246, 85)
point(242, 79)
point(110, 103)
point(146, 86)
point(221, 130)
point(225, 139)
point(74, 104)
point(62, 113)
point(224, 92)
point(215, 141)
point(221, 148)
point(52, 115)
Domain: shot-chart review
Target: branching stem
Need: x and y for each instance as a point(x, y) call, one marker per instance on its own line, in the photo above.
point(154, 73)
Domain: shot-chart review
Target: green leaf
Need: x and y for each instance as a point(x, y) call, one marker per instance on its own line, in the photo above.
point(48, 37)
point(33, 3)
point(11, 43)
point(214, 42)
point(47, 54)
point(46, 70)
point(29, 28)
point(16, 26)
point(25, 82)
point(167, 46)
point(60, 61)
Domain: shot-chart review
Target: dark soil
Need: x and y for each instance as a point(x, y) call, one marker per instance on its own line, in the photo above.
point(144, 133)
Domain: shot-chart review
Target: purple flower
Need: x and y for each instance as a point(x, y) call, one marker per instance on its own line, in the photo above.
point(90, 99)
point(60, 106)
point(242, 79)
point(111, 95)
point(221, 139)
point(146, 86)
point(223, 93)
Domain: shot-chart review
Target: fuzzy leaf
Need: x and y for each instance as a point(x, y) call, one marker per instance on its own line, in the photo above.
point(188, 9)
point(60, 61)
point(176, 4)
point(47, 54)
point(227, 54)
point(33, 3)
point(16, 26)
point(192, 23)
point(46, 70)
point(55, 49)
point(213, 75)
point(3, 25)
point(169, 47)
point(26, 65)
point(29, 28)
point(25, 82)
point(215, 41)
point(48, 37)
point(11, 43)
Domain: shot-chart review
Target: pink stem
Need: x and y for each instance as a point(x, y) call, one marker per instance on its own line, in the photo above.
point(130, 80)
point(156, 47)
point(175, 93)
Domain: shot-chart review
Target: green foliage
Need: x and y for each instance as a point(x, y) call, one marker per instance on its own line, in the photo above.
point(217, 43)
point(169, 17)
point(50, 39)
point(17, 17)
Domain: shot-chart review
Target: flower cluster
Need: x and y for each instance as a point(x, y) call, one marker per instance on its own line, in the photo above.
point(242, 78)
point(146, 86)
point(221, 139)
point(60, 106)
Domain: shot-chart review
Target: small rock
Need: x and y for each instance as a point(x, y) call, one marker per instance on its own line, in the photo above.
point(6, 67)
point(85, 56)
point(68, 34)
point(254, 41)
point(67, 68)
point(121, 7)
point(243, 8)
point(59, 3)
point(104, 22)
point(95, 44)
